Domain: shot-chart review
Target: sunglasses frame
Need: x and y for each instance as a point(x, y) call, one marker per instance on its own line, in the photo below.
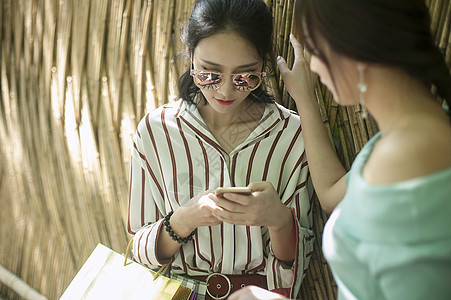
point(194, 73)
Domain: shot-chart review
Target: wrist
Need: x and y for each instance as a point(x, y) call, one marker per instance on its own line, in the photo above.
point(284, 221)
point(181, 222)
point(181, 239)
point(307, 102)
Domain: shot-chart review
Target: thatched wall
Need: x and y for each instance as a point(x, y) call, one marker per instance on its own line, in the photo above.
point(76, 76)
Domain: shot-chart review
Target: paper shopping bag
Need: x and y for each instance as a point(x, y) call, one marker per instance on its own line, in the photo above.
point(105, 276)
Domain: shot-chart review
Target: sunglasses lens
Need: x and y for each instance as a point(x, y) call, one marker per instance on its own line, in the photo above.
point(208, 80)
point(247, 82)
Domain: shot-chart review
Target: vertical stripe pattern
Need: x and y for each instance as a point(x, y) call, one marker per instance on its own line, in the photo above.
point(176, 158)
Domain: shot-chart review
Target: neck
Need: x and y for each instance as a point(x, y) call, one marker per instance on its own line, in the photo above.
point(215, 120)
point(392, 94)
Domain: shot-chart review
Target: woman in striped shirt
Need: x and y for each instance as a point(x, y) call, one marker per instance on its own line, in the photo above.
point(225, 131)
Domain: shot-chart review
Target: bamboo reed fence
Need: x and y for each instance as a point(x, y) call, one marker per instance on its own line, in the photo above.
point(76, 76)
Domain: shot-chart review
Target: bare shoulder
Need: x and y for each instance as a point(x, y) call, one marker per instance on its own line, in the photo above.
point(416, 149)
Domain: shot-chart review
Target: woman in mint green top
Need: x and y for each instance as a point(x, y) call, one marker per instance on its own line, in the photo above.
point(391, 241)
point(389, 234)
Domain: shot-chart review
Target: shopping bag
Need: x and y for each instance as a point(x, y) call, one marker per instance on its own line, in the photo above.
point(105, 275)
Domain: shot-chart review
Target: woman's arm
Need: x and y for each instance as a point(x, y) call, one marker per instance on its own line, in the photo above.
point(183, 221)
point(326, 169)
point(152, 243)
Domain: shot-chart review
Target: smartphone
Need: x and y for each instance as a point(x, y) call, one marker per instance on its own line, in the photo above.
point(241, 190)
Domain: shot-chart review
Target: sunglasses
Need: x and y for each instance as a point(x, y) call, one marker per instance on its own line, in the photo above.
point(244, 82)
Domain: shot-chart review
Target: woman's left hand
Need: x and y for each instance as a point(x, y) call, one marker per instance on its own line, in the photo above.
point(262, 208)
point(300, 81)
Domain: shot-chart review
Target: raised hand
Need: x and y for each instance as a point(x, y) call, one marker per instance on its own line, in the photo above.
point(328, 174)
point(299, 81)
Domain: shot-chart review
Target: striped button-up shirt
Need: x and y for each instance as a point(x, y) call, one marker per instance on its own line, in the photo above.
point(176, 158)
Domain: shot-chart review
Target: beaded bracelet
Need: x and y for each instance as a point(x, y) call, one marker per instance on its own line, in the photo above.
point(172, 234)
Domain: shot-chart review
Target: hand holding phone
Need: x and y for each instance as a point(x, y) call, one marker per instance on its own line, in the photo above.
point(241, 190)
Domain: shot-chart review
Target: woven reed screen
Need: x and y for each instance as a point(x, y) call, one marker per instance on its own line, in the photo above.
point(76, 76)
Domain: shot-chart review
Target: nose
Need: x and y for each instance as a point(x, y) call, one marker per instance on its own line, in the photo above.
point(227, 88)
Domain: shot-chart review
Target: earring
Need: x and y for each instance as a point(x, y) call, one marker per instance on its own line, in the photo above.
point(362, 87)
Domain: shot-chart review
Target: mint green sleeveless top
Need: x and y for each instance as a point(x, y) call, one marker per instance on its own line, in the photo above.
point(391, 241)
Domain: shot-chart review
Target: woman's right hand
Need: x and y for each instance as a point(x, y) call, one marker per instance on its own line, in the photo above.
point(198, 212)
point(185, 219)
point(204, 211)
point(299, 81)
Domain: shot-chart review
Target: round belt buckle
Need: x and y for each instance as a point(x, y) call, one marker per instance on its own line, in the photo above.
point(226, 279)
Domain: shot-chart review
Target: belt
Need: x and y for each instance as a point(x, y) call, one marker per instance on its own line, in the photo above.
point(220, 286)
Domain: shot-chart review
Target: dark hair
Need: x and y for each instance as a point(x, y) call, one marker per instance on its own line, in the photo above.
point(251, 19)
point(391, 32)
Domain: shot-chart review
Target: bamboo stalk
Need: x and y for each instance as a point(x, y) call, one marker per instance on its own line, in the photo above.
point(47, 45)
point(96, 37)
point(2, 4)
point(18, 6)
point(62, 48)
point(18, 285)
point(80, 10)
point(167, 34)
point(123, 50)
point(443, 39)
point(6, 32)
point(435, 9)
point(28, 34)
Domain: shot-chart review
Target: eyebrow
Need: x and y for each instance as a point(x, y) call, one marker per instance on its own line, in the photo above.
point(239, 67)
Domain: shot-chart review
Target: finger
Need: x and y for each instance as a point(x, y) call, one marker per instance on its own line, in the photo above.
point(231, 217)
point(282, 64)
point(237, 198)
point(208, 202)
point(259, 186)
point(230, 206)
point(297, 47)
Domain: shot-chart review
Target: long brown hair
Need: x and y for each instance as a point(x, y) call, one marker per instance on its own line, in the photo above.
point(390, 32)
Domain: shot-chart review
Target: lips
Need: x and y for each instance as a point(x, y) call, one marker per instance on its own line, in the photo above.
point(225, 102)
